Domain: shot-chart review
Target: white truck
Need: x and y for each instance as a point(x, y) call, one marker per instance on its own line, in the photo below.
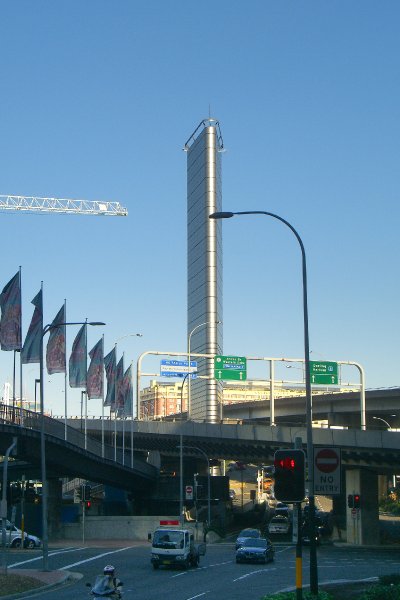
point(175, 547)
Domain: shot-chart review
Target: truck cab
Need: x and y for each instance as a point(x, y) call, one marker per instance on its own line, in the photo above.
point(175, 547)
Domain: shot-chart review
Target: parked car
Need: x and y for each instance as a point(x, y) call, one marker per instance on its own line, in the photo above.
point(259, 550)
point(245, 534)
point(14, 538)
point(282, 510)
point(279, 524)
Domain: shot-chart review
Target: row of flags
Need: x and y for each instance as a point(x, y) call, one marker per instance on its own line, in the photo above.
point(119, 396)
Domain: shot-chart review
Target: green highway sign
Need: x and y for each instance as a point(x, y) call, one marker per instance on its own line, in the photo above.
point(324, 373)
point(230, 367)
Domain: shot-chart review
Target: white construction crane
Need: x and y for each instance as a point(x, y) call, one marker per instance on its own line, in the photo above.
point(61, 205)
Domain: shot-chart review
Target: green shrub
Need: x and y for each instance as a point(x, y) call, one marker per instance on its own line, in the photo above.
point(392, 578)
point(382, 592)
point(306, 596)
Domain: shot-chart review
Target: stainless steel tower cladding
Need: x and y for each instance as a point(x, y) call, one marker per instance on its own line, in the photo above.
point(204, 196)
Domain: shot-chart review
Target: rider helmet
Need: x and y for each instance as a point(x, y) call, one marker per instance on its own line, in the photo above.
point(109, 570)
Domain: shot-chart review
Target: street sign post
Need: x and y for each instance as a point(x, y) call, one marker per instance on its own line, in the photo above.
point(324, 373)
point(230, 367)
point(189, 492)
point(327, 467)
point(178, 368)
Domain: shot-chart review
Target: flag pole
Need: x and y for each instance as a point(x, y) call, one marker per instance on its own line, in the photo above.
point(86, 384)
point(132, 415)
point(123, 417)
point(115, 408)
point(20, 360)
point(65, 375)
point(102, 401)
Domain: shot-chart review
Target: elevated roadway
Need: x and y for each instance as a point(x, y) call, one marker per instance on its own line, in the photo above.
point(256, 442)
point(75, 457)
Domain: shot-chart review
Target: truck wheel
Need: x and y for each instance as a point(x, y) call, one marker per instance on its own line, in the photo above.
point(195, 561)
point(155, 566)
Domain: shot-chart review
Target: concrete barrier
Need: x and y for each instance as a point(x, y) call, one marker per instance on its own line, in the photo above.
point(114, 528)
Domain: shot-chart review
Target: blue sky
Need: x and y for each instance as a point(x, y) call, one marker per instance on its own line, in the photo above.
point(97, 101)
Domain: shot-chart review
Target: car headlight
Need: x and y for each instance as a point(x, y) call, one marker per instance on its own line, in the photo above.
point(180, 557)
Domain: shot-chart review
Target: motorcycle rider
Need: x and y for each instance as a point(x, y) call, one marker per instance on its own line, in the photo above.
point(108, 584)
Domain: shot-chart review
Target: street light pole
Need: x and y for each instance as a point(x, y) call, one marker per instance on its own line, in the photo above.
point(45, 535)
point(310, 449)
point(189, 406)
point(383, 421)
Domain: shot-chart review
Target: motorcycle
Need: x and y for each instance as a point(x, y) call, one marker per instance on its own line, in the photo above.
point(99, 591)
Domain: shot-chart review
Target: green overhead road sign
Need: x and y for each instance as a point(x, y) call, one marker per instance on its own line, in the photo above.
point(230, 367)
point(324, 373)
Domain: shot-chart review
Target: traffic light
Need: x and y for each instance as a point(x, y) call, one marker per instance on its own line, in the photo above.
point(88, 504)
point(354, 500)
point(350, 500)
point(14, 493)
point(357, 500)
point(289, 471)
point(30, 493)
point(85, 492)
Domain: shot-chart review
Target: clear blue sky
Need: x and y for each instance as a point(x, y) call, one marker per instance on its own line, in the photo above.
point(97, 100)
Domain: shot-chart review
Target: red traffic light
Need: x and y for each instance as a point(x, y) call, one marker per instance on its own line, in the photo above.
point(88, 504)
point(289, 475)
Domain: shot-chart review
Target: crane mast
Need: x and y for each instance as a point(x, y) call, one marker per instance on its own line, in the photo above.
point(61, 205)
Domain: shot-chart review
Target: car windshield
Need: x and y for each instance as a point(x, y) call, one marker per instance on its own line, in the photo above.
point(168, 539)
point(253, 533)
point(256, 543)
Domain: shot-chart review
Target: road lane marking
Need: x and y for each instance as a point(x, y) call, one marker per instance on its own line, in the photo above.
point(81, 562)
point(29, 560)
point(199, 595)
point(254, 573)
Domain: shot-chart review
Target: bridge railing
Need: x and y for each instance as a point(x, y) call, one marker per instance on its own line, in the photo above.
point(33, 420)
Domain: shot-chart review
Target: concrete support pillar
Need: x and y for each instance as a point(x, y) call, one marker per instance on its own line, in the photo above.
point(382, 487)
point(54, 503)
point(363, 523)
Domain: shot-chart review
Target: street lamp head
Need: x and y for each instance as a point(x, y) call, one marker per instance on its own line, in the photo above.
point(221, 215)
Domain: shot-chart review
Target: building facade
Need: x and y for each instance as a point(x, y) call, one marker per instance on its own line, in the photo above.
point(204, 267)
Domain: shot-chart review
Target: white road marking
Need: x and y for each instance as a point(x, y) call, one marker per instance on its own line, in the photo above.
point(81, 562)
point(24, 562)
point(199, 595)
point(254, 573)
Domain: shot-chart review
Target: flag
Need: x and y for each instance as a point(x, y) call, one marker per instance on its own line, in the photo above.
point(110, 362)
point(119, 392)
point(95, 386)
point(31, 349)
point(78, 360)
point(11, 315)
point(127, 390)
point(55, 352)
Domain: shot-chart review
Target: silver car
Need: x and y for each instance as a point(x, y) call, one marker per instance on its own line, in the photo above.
point(14, 537)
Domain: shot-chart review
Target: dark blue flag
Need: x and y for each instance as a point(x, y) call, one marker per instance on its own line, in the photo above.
point(11, 315)
point(78, 360)
point(95, 385)
point(110, 365)
point(56, 352)
point(31, 350)
point(119, 392)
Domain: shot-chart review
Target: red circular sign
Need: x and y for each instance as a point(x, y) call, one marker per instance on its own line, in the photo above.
point(327, 460)
point(189, 489)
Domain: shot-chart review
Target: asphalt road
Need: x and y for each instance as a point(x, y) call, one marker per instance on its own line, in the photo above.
point(218, 577)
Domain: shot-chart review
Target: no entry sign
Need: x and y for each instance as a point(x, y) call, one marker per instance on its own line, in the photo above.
point(327, 465)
